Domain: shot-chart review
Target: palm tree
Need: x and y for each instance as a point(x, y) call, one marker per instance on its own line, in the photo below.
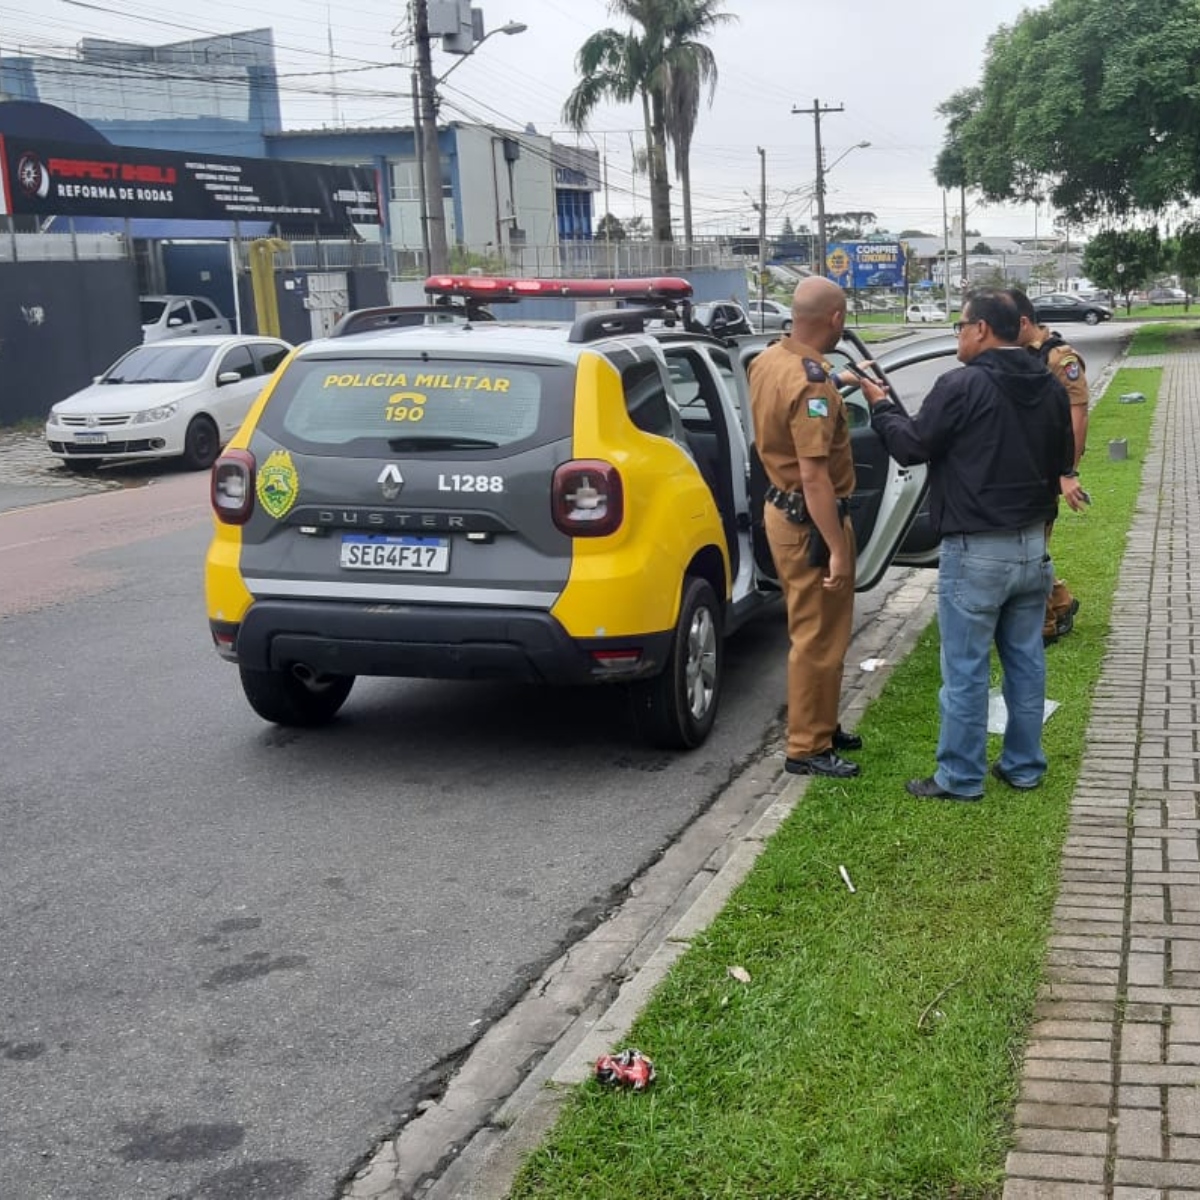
point(691, 67)
point(662, 64)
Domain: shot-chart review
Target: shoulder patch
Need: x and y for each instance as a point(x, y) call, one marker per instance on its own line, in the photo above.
point(814, 371)
point(1071, 369)
point(818, 406)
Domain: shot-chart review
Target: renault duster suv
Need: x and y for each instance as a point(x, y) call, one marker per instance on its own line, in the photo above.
point(566, 503)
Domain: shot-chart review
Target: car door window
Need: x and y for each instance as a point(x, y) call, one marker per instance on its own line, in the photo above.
point(268, 356)
point(646, 399)
point(238, 359)
point(205, 311)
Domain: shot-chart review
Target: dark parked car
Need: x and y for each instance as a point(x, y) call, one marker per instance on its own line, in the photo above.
point(1060, 306)
point(722, 318)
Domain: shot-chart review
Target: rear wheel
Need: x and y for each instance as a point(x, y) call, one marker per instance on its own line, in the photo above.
point(677, 708)
point(295, 696)
point(201, 444)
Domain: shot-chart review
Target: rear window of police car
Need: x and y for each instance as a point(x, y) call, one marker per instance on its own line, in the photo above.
point(354, 405)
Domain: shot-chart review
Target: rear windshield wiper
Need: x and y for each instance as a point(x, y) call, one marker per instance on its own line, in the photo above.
point(435, 441)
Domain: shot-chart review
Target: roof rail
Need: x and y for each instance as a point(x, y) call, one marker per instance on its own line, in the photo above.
point(613, 322)
point(370, 320)
point(363, 320)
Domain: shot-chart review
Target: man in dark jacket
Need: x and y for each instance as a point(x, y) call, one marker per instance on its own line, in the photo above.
point(996, 434)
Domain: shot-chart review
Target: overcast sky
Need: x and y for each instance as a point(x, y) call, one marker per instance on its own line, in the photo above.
point(889, 64)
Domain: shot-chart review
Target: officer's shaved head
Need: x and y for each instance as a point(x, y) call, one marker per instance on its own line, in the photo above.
point(818, 312)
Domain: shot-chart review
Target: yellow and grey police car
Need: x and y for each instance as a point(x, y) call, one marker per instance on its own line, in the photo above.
point(563, 502)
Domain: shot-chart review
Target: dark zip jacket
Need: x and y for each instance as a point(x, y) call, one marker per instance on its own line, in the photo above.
point(996, 434)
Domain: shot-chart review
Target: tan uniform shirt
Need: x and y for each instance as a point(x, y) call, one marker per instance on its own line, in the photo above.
point(798, 413)
point(1066, 366)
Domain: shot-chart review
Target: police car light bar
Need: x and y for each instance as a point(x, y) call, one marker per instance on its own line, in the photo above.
point(484, 288)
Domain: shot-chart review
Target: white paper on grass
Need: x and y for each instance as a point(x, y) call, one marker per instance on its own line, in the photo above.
point(998, 711)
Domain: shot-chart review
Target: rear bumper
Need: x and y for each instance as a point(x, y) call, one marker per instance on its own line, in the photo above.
point(431, 642)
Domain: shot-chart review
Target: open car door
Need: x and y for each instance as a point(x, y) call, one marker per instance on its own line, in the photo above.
point(887, 496)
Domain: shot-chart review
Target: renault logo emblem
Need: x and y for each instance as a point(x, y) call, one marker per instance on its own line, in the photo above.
point(390, 481)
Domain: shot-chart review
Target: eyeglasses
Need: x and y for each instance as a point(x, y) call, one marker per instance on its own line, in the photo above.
point(959, 326)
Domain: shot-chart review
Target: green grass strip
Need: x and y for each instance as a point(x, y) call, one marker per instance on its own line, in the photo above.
point(876, 1051)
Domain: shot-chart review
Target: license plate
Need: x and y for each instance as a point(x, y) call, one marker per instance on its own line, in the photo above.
point(91, 439)
point(381, 552)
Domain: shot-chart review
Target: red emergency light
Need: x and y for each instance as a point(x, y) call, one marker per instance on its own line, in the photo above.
point(661, 288)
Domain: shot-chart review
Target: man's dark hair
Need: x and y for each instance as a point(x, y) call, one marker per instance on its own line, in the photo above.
point(1024, 305)
point(998, 309)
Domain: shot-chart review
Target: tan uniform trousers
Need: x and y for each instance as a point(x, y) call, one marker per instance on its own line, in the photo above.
point(819, 624)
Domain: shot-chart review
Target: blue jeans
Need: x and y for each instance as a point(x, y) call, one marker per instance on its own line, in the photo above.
point(992, 587)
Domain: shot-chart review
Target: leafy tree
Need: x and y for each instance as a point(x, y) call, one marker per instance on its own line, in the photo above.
point(850, 226)
point(662, 64)
point(1044, 272)
point(609, 229)
point(1123, 260)
point(1091, 103)
point(905, 234)
point(982, 248)
point(1187, 257)
point(636, 229)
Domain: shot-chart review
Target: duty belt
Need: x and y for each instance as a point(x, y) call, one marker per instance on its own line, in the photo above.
point(793, 506)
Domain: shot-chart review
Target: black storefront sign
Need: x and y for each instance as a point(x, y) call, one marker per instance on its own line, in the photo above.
point(47, 178)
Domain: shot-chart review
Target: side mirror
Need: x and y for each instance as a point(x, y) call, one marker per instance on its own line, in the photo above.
point(174, 322)
point(228, 377)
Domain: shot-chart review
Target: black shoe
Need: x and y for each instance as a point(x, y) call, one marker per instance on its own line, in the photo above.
point(1004, 777)
point(930, 789)
point(828, 764)
point(1064, 624)
point(846, 741)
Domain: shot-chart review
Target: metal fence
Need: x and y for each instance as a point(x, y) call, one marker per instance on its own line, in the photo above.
point(575, 259)
point(60, 246)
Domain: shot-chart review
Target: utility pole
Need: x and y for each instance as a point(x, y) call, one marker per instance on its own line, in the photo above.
point(815, 112)
point(962, 208)
point(762, 231)
point(434, 204)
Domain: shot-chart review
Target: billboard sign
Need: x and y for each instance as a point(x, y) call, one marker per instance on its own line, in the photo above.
point(48, 178)
point(857, 266)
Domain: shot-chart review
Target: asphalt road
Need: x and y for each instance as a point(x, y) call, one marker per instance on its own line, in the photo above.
point(234, 958)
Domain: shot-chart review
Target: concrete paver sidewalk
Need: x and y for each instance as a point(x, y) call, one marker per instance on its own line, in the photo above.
point(1110, 1096)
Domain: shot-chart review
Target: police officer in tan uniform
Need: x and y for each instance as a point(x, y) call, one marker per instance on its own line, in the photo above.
point(1067, 366)
point(803, 439)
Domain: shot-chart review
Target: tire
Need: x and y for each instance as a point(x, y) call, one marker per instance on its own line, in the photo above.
point(787, 328)
point(293, 697)
point(676, 709)
point(1092, 318)
point(201, 444)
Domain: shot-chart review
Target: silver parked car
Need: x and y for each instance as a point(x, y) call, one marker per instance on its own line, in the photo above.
point(181, 316)
point(769, 315)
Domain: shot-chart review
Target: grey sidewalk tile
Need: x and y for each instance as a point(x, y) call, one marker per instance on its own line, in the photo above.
point(1130, 872)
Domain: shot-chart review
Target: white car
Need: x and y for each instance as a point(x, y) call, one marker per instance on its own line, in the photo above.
point(918, 314)
point(170, 399)
point(769, 315)
point(180, 316)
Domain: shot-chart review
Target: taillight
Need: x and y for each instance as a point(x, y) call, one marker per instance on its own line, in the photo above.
point(587, 498)
point(232, 487)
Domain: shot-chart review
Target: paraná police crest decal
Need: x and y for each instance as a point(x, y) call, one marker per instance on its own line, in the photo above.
point(278, 484)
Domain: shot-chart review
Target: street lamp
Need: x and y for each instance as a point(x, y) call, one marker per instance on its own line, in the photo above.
point(425, 134)
point(822, 171)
